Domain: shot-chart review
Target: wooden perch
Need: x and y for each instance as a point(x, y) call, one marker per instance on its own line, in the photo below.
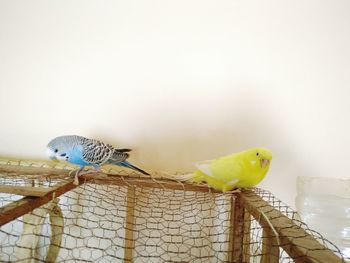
point(26, 190)
point(27, 204)
point(30, 170)
point(148, 182)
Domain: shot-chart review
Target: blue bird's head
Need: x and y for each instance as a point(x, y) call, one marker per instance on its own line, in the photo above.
point(58, 149)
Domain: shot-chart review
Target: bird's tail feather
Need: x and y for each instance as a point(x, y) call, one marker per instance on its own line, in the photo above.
point(123, 150)
point(129, 165)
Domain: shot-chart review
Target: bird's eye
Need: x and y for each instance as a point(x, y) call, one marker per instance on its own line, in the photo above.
point(257, 154)
point(56, 150)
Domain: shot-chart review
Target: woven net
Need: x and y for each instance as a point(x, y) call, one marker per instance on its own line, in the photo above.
point(128, 222)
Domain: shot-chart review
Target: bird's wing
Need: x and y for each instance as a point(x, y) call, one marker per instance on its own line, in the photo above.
point(118, 156)
point(96, 152)
point(221, 169)
point(204, 167)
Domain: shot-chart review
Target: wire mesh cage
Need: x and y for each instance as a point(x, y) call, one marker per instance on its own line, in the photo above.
point(120, 217)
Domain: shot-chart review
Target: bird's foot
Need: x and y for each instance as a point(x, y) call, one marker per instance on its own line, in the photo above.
point(76, 180)
point(75, 174)
point(72, 173)
point(79, 172)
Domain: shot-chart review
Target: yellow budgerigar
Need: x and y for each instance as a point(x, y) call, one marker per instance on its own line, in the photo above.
point(238, 170)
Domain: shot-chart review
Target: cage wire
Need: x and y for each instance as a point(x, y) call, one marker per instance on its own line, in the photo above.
point(129, 223)
point(256, 238)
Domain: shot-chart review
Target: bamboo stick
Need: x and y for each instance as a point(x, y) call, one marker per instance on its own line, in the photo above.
point(129, 228)
point(270, 248)
point(237, 229)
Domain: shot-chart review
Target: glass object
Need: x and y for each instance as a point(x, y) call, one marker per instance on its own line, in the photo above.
point(324, 204)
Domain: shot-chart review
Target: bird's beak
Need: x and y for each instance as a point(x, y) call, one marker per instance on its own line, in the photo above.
point(264, 163)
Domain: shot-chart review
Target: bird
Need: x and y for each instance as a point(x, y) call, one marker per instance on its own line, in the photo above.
point(238, 170)
point(83, 151)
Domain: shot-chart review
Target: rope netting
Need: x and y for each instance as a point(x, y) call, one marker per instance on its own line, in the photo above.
point(97, 222)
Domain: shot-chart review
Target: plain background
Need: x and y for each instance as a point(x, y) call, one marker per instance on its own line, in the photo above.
point(181, 81)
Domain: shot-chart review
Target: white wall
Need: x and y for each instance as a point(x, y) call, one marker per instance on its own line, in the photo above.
point(181, 81)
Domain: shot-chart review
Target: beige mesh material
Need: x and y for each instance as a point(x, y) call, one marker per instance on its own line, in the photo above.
point(131, 218)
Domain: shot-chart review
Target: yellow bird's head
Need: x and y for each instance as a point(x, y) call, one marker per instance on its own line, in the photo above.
point(259, 158)
point(256, 164)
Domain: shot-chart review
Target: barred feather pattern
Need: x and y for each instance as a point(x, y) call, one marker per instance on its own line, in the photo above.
point(94, 152)
point(99, 153)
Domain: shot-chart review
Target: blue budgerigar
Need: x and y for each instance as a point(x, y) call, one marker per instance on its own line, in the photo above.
point(88, 152)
